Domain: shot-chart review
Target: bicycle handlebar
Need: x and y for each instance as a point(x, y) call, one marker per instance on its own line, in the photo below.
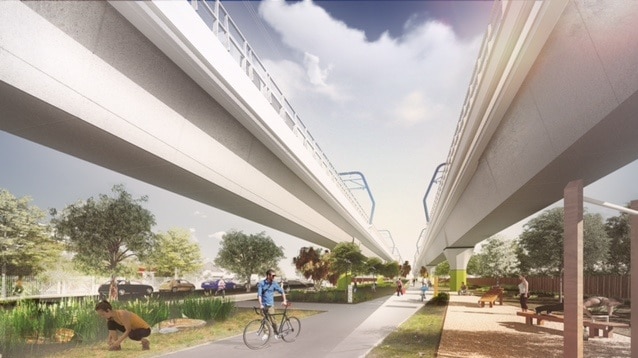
point(260, 311)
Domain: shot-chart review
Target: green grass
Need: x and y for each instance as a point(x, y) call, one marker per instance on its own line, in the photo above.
point(419, 336)
point(94, 345)
point(165, 343)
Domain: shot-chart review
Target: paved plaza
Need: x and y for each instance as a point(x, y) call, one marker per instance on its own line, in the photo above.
point(351, 331)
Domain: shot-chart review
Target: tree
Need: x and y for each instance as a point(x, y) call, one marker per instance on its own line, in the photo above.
point(405, 269)
point(423, 272)
point(374, 266)
point(618, 230)
point(391, 269)
point(498, 258)
point(442, 269)
point(175, 252)
point(248, 254)
point(475, 265)
point(346, 257)
point(541, 243)
point(312, 264)
point(106, 231)
point(595, 244)
point(26, 245)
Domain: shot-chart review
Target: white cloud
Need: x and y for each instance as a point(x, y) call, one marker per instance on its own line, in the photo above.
point(217, 235)
point(200, 214)
point(316, 75)
point(375, 106)
point(412, 108)
point(193, 235)
point(427, 68)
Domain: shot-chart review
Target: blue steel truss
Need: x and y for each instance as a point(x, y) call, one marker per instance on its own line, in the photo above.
point(432, 181)
point(360, 183)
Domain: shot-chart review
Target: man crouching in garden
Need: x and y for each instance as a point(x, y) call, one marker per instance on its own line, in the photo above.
point(132, 326)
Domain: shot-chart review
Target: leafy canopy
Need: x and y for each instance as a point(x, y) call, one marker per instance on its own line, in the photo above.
point(423, 272)
point(498, 258)
point(175, 251)
point(248, 254)
point(405, 269)
point(374, 266)
point(618, 230)
point(313, 264)
point(391, 269)
point(541, 243)
point(26, 245)
point(106, 231)
point(346, 257)
point(442, 269)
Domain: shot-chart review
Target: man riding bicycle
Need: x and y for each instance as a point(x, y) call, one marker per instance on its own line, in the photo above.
point(266, 296)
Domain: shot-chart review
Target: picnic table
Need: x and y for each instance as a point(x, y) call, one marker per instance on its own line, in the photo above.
point(595, 327)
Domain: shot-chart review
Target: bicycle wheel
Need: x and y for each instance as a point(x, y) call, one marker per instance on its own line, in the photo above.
point(257, 334)
point(290, 329)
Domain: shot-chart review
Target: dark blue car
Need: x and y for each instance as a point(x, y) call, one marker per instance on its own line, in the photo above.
point(126, 287)
point(210, 286)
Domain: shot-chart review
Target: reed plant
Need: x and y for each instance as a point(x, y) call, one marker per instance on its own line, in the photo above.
point(151, 311)
point(8, 337)
point(207, 309)
point(30, 323)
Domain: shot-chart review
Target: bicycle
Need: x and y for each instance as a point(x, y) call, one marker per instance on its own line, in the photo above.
point(259, 331)
point(423, 291)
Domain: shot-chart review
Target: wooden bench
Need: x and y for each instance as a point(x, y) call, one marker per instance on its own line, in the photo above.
point(606, 327)
point(595, 328)
point(529, 317)
point(490, 297)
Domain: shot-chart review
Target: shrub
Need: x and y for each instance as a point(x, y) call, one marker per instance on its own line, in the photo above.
point(543, 294)
point(151, 311)
point(42, 320)
point(208, 309)
point(442, 298)
point(331, 295)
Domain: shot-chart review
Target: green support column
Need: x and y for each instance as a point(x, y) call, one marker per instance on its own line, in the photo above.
point(456, 277)
point(458, 257)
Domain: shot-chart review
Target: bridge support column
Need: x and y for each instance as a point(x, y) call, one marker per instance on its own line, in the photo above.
point(431, 270)
point(573, 274)
point(633, 224)
point(458, 257)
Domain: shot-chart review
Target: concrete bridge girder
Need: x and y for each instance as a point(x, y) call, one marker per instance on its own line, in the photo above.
point(91, 86)
point(572, 115)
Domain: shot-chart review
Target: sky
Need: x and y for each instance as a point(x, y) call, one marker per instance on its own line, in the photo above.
point(379, 85)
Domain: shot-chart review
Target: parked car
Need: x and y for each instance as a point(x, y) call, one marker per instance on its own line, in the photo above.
point(210, 286)
point(294, 283)
point(176, 285)
point(125, 287)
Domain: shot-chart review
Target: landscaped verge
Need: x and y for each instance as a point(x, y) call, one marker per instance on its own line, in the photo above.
point(419, 336)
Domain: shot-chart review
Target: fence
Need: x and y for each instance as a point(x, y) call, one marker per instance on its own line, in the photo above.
point(59, 286)
point(68, 286)
point(603, 285)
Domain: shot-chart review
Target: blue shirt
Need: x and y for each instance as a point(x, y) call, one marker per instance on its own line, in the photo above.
point(266, 290)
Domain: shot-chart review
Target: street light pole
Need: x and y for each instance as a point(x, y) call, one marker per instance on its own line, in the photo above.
point(4, 268)
point(4, 278)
